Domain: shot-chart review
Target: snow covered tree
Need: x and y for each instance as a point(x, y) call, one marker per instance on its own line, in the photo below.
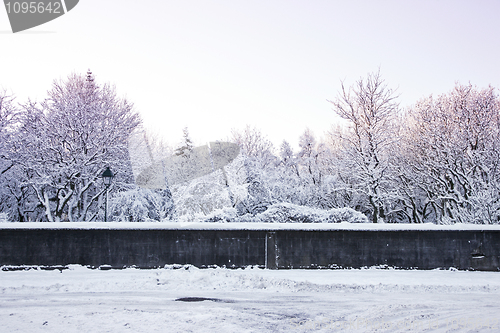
point(258, 158)
point(201, 196)
point(255, 144)
point(11, 193)
point(286, 177)
point(312, 170)
point(149, 198)
point(338, 182)
point(454, 155)
point(369, 107)
point(8, 122)
point(308, 158)
point(141, 205)
point(186, 145)
point(287, 155)
point(317, 170)
point(68, 140)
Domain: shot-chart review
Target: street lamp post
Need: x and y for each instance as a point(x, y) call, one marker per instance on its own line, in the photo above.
point(107, 176)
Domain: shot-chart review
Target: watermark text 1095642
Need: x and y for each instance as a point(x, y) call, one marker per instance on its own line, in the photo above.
point(28, 14)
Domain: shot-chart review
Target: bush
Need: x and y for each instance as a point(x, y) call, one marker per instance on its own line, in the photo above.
point(4, 217)
point(287, 212)
point(225, 214)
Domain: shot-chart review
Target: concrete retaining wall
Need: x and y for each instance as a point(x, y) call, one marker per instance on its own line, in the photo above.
point(421, 249)
point(404, 249)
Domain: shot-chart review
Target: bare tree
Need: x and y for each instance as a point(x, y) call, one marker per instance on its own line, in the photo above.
point(370, 107)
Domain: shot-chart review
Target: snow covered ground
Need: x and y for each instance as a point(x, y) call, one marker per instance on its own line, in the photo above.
point(248, 300)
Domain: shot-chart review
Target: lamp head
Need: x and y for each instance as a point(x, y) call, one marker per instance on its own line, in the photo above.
point(107, 176)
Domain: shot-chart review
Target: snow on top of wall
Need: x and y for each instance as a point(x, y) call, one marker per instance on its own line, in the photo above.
point(239, 226)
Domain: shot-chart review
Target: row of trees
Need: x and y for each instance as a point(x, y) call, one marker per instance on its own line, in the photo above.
point(436, 161)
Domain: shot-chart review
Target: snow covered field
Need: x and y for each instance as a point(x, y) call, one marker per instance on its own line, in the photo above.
point(187, 299)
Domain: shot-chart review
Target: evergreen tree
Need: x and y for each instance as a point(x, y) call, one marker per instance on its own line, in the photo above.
point(186, 146)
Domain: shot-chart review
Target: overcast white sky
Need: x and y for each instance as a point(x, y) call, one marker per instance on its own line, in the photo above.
point(217, 65)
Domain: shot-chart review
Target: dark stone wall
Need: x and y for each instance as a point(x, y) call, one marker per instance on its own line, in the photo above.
point(123, 248)
point(479, 250)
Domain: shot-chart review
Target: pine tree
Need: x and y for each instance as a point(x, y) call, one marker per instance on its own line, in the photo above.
point(187, 144)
